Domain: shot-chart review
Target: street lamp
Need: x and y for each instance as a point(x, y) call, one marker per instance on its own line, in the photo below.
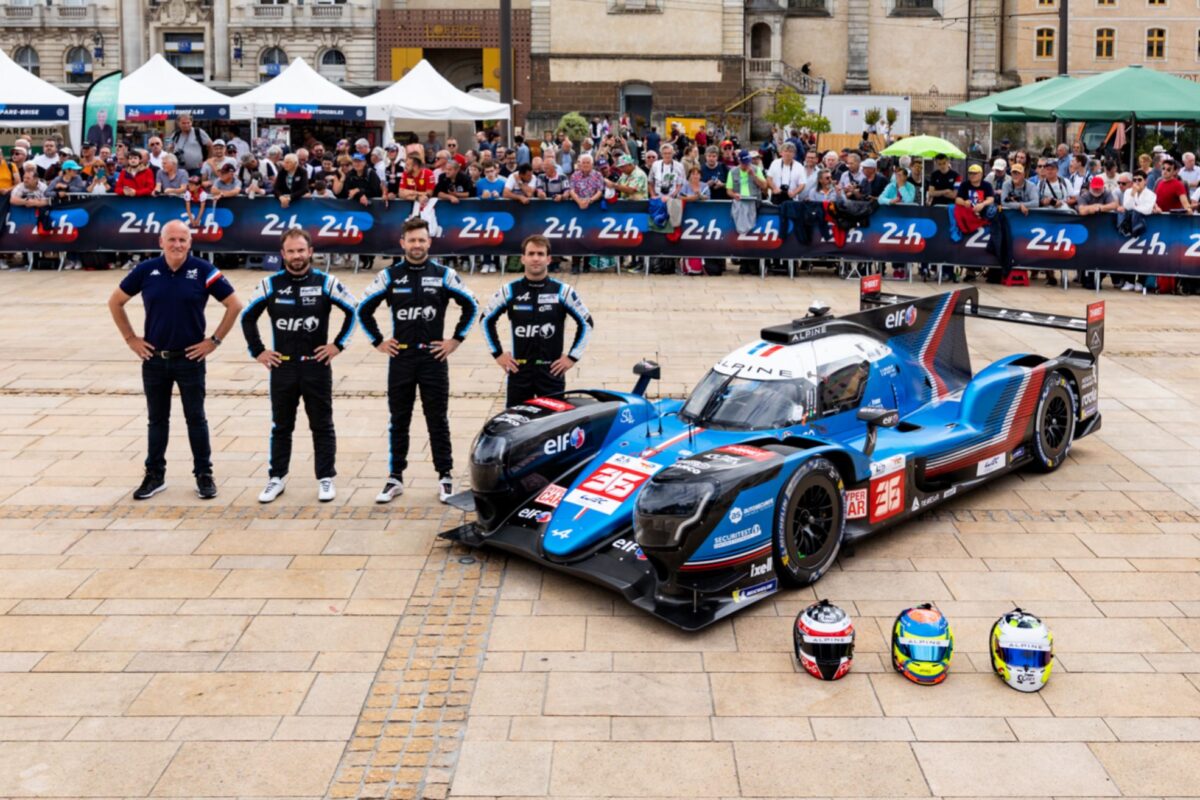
point(237, 48)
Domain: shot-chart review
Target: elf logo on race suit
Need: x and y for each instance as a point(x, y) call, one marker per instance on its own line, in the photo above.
point(534, 331)
point(308, 324)
point(418, 313)
point(571, 440)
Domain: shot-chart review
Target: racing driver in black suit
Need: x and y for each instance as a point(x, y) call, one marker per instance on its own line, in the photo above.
point(417, 291)
point(298, 300)
point(537, 307)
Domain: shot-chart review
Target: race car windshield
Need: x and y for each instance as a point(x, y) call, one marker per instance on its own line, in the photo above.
point(727, 401)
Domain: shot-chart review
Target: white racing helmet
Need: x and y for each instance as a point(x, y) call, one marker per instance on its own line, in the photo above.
point(1022, 650)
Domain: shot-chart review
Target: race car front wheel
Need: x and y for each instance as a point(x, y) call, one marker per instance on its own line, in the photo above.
point(809, 523)
point(1055, 423)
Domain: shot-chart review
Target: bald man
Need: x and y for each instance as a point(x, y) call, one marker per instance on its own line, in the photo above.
point(175, 288)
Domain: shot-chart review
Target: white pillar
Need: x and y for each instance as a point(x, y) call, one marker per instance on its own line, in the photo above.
point(221, 40)
point(132, 34)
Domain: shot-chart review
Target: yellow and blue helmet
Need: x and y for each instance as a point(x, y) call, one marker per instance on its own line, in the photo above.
point(922, 644)
point(1022, 650)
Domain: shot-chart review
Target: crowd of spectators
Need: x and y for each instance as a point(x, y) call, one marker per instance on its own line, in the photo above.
point(613, 161)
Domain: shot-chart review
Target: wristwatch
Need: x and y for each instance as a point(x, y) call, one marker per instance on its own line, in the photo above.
point(215, 340)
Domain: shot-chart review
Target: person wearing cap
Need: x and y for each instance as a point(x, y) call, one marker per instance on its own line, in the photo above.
point(190, 144)
point(1017, 193)
point(1095, 198)
point(998, 174)
point(68, 181)
point(360, 184)
point(632, 183)
point(217, 159)
point(226, 184)
point(136, 180)
point(873, 183)
point(974, 204)
point(746, 182)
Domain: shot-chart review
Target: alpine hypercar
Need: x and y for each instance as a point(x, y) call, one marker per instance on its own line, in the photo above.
point(823, 431)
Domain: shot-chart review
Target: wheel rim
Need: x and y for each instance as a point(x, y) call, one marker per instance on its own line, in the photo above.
point(812, 521)
point(1056, 423)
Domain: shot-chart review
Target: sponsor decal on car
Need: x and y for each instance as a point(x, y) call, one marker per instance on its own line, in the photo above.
point(612, 483)
point(749, 592)
point(538, 515)
point(737, 537)
point(746, 451)
point(990, 465)
point(570, 440)
point(511, 419)
point(551, 496)
point(953, 490)
point(900, 318)
point(551, 403)
point(887, 466)
point(627, 416)
point(856, 504)
point(887, 496)
point(737, 513)
point(629, 546)
point(758, 570)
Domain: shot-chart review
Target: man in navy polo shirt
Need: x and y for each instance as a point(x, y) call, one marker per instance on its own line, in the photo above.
point(175, 287)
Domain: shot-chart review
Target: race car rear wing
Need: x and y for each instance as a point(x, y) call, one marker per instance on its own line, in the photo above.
point(871, 295)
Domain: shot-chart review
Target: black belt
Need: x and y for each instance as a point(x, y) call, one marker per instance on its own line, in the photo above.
point(298, 358)
point(166, 355)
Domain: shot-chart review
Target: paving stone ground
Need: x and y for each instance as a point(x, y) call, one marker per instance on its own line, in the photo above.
point(183, 649)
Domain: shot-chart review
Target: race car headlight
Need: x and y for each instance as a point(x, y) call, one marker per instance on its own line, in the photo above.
point(666, 511)
point(487, 464)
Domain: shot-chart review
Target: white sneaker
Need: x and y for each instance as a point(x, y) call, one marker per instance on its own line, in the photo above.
point(326, 490)
point(445, 487)
point(273, 489)
point(391, 490)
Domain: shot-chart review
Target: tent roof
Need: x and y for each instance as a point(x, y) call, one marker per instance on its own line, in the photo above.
point(1146, 95)
point(29, 100)
point(424, 94)
point(303, 87)
point(158, 84)
point(988, 107)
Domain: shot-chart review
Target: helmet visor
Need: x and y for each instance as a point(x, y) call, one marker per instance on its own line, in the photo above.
point(1021, 657)
point(921, 649)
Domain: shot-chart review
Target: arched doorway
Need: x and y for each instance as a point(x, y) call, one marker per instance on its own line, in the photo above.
point(760, 40)
point(637, 100)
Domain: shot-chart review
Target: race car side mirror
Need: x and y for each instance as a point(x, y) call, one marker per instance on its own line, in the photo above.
point(877, 417)
point(647, 371)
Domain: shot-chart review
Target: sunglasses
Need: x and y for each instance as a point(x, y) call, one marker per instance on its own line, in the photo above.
point(1139, 180)
point(1122, 183)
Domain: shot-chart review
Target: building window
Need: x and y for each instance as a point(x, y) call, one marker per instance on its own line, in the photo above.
point(79, 65)
point(1045, 2)
point(634, 6)
point(1106, 2)
point(185, 52)
point(1157, 2)
point(1156, 43)
point(333, 65)
point(271, 63)
point(819, 8)
point(27, 58)
point(1105, 40)
point(1044, 43)
point(914, 8)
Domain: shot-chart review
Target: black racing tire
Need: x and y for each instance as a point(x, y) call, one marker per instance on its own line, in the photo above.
point(809, 522)
point(1054, 423)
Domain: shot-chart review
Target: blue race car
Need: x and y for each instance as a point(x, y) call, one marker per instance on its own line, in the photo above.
point(825, 430)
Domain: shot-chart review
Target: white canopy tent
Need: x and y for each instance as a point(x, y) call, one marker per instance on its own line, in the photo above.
point(301, 93)
point(156, 90)
point(423, 94)
point(27, 101)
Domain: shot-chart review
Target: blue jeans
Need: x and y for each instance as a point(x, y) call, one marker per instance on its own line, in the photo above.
point(159, 375)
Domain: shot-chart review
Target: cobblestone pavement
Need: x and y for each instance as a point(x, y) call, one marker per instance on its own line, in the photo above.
point(175, 648)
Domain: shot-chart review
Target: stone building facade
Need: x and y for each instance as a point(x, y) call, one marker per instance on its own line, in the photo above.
point(227, 43)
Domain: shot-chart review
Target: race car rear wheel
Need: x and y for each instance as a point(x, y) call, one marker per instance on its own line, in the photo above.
point(809, 523)
point(1054, 426)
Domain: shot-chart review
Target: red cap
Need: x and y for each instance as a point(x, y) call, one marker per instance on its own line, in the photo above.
point(1097, 182)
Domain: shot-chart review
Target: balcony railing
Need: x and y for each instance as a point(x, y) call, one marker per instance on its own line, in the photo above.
point(72, 12)
point(270, 12)
point(326, 12)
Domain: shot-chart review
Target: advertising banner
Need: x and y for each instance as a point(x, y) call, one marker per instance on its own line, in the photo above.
point(1170, 244)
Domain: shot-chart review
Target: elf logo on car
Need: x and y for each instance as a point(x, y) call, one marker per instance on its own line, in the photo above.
point(629, 546)
point(990, 465)
point(758, 570)
point(551, 496)
point(856, 504)
point(536, 514)
point(571, 440)
point(901, 318)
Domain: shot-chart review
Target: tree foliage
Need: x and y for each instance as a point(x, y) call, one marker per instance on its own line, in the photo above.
point(574, 126)
point(791, 109)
